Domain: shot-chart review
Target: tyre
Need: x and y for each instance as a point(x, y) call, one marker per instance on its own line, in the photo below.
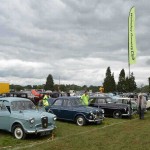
point(117, 114)
point(80, 121)
point(18, 132)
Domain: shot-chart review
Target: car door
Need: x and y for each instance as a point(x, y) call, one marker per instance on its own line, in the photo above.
point(4, 117)
point(67, 112)
point(56, 107)
point(101, 102)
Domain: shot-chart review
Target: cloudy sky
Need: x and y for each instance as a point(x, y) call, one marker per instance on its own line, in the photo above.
point(74, 40)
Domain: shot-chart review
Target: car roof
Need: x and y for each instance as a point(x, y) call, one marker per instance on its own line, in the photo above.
point(11, 99)
point(52, 100)
point(65, 97)
point(101, 97)
point(128, 98)
point(68, 97)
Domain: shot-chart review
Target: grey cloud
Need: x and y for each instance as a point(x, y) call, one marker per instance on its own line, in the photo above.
point(64, 34)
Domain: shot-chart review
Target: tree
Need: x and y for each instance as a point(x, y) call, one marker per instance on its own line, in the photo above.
point(109, 82)
point(126, 84)
point(28, 87)
point(49, 83)
point(113, 83)
point(132, 83)
point(94, 88)
point(121, 87)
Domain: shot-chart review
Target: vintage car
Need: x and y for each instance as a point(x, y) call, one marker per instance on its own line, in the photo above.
point(20, 117)
point(23, 94)
point(147, 98)
point(110, 108)
point(127, 100)
point(72, 109)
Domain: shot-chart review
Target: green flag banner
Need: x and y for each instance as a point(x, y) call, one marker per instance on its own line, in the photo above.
point(132, 38)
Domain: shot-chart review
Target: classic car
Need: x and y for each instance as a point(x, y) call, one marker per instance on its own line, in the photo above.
point(110, 108)
point(72, 109)
point(20, 117)
point(126, 100)
point(147, 98)
point(23, 94)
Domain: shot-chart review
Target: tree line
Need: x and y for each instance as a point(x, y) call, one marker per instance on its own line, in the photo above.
point(125, 84)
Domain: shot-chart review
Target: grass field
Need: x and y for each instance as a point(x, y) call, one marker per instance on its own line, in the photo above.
point(113, 134)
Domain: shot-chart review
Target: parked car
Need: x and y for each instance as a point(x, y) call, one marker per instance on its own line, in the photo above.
point(147, 98)
point(23, 94)
point(110, 108)
point(20, 117)
point(126, 100)
point(72, 109)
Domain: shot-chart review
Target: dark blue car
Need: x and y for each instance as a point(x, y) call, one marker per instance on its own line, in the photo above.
point(72, 109)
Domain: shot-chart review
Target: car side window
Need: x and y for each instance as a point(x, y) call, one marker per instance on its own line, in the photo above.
point(66, 102)
point(101, 101)
point(119, 101)
point(109, 100)
point(92, 101)
point(57, 103)
point(3, 107)
point(126, 101)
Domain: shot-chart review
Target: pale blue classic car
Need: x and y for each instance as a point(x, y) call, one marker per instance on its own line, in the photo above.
point(20, 117)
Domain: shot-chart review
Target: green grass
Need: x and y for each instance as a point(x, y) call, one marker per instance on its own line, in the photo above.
point(112, 134)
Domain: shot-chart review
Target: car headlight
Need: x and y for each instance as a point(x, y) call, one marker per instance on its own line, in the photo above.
point(54, 118)
point(103, 111)
point(91, 113)
point(32, 120)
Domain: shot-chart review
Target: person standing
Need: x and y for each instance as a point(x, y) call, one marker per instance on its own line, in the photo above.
point(85, 98)
point(45, 101)
point(141, 103)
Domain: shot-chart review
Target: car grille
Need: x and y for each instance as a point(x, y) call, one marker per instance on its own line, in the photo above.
point(98, 113)
point(40, 125)
point(44, 121)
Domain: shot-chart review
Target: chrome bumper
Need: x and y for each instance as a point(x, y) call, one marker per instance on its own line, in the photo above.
point(40, 130)
point(96, 119)
point(128, 114)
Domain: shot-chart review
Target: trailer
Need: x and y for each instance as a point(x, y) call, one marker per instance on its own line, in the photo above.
point(4, 87)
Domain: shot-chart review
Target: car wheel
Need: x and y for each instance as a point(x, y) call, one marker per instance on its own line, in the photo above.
point(117, 114)
point(80, 121)
point(18, 132)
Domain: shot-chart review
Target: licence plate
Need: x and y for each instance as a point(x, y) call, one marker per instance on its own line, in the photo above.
point(45, 133)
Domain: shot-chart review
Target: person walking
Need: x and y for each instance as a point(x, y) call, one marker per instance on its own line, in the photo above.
point(85, 98)
point(141, 103)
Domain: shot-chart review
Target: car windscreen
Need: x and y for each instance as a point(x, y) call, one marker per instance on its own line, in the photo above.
point(22, 105)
